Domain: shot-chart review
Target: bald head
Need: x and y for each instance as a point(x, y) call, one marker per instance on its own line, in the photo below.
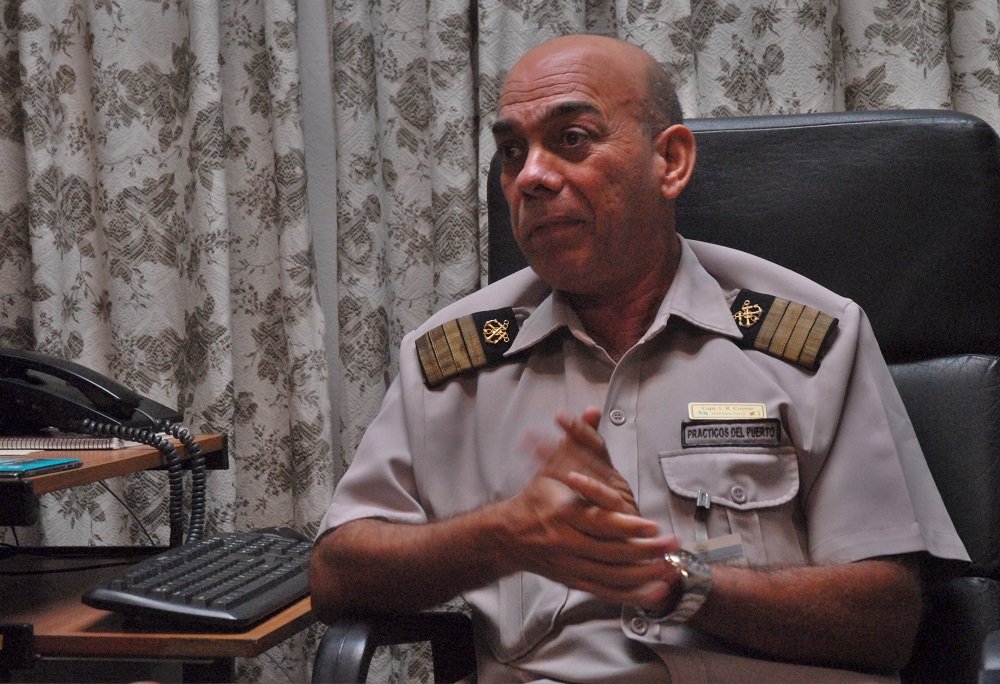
point(611, 48)
point(652, 92)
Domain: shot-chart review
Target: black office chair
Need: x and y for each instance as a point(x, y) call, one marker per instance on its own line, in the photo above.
point(900, 211)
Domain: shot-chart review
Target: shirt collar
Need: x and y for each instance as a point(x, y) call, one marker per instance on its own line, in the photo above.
point(694, 296)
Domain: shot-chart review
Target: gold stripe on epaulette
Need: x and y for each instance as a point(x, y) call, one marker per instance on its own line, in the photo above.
point(472, 342)
point(453, 334)
point(468, 343)
point(450, 349)
point(432, 371)
point(797, 340)
point(814, 342)
point(439, 344)
point(782, 328)
point(770, 324)
point(786, 325)
point(793, 332)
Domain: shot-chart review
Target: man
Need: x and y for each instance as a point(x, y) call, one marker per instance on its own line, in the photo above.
point(785, 474)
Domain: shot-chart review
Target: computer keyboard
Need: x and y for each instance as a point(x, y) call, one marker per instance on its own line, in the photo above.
point(225, 583)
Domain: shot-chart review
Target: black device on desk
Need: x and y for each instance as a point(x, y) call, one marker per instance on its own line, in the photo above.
point(226, 583)
point(40, 391)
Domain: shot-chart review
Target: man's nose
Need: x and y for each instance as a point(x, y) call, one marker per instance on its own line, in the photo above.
point(540, 174)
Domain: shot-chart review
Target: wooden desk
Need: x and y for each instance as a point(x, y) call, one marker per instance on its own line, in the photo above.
point(48, 619)
point(19, 498)
point(66, 628)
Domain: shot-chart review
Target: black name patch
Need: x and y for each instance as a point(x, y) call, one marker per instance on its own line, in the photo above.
point(756, 432)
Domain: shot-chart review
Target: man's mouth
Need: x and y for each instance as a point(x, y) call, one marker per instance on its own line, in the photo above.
point(550, 225)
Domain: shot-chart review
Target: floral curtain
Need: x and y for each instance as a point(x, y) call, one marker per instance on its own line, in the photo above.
point(153, 198)
point(154, 228)
point(415, 87)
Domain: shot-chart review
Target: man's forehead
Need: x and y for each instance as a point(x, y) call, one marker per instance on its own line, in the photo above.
point(562, 53)
point(550, 91)
point(556, 111)
point(553, 76)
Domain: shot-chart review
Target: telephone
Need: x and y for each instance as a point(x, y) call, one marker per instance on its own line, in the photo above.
point(40, 392)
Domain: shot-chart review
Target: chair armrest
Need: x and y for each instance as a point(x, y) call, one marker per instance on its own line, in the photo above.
point(990, 672)
point(959, 614)
point(345, 652)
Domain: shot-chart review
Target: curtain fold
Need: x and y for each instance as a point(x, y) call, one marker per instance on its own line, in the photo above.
point(155, 228)
point(405, 121)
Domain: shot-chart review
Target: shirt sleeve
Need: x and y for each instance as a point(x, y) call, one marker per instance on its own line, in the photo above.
point(874, 494)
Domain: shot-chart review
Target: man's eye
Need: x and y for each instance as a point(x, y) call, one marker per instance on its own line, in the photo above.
point(573, 138)
point(510, 152)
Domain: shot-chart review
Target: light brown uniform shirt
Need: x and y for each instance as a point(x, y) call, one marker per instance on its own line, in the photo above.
point(847, 482)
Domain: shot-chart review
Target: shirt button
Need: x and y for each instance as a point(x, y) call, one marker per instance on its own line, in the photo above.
point(638, 626)
point(617, 416)
point(738, 494)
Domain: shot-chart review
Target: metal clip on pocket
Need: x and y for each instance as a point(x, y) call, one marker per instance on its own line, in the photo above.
point(701, 508)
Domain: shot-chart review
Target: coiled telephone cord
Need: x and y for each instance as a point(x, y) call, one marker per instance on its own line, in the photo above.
point(160, 441)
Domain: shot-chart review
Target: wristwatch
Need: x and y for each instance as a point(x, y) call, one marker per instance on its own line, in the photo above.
point(696, 583)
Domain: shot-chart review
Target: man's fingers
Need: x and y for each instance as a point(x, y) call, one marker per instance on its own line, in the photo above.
point(591, 416)
point(646, 585)
point(584, 434)
point(583, 449)
point(599, 494)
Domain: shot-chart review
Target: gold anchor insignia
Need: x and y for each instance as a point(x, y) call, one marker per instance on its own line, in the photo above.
point(495, 332)
point(749, 315)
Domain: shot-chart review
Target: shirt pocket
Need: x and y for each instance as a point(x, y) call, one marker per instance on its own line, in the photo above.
point(752, 491)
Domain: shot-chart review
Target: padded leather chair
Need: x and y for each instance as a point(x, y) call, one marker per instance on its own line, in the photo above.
point(900, 211)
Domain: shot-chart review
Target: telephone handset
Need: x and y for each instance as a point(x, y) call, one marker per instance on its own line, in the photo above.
point(38, 392)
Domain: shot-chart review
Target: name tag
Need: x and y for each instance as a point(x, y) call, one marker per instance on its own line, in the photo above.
point(700, 410)
point(760, 432)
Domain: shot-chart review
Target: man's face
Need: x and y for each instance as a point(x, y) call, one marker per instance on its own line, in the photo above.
point(580, 172)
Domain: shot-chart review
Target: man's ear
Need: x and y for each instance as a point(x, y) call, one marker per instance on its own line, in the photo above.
point(676, 149)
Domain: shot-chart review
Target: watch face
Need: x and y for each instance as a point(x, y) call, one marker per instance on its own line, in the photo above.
point(680, 560)
point(687, 563)
point(696, 583)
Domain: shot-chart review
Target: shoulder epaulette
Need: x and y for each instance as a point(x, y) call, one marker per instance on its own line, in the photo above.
point(788, 330)
point(465, 344)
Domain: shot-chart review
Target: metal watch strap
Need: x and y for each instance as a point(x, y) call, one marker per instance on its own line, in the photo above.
point(696, 583)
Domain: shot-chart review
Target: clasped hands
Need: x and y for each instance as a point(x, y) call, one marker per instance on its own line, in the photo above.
point(577, 522)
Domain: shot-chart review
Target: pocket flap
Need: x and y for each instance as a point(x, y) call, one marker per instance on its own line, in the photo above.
point(742, 479)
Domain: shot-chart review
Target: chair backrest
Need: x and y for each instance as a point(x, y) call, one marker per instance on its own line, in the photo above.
point(898, 210)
